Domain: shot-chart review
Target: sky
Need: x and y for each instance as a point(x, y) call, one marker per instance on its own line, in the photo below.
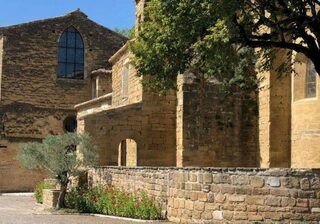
point(109, 13)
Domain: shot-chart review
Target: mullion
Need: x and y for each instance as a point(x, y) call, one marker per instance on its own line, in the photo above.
point(75, 52)
point(74, 64)
point(66, 65)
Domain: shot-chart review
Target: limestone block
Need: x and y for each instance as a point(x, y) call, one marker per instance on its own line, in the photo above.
point(315, 210)
point(274, 181)
point(305, 184)
point(217, 215)
point(257, 182)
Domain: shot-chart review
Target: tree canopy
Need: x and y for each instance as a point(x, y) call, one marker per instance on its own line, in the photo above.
point(223, 38)
point(59, 156)
point(128, 33)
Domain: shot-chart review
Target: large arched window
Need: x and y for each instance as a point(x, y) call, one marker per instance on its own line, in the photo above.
point(71, 55)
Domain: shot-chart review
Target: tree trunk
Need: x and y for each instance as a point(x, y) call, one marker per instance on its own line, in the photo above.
point(63, 191)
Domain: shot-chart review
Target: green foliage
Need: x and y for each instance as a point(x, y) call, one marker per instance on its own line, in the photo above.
point(111, 201)
point(178, 36)
point(63, 156)
point(222, 39)
point(128, 33)
point(56, 154)
point(38, 190)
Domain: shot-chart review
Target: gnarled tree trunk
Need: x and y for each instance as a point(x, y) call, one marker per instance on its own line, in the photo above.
point(63, 191)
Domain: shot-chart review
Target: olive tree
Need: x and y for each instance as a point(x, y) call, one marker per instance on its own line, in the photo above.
point(62, 156)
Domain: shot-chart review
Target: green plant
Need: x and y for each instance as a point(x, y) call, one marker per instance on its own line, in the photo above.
point(112, 201)
point(128, 33)
point(225, 41)
point(38, 190)
point(60, 157)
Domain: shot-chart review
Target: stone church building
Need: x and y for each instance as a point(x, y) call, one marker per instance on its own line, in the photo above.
point(68, 73)
point(45, 69)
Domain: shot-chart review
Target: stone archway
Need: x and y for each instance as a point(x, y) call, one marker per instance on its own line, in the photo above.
point(127, 153)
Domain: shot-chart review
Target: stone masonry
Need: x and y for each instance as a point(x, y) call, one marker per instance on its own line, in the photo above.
point(182, 128)
point(34, 101)
point(213, 195)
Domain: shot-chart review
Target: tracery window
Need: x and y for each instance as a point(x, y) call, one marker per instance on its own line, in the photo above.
point(71, 55)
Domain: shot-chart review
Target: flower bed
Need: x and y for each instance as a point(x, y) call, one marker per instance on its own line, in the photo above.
point(111, 201)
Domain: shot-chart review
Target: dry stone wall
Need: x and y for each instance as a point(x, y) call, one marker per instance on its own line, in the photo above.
point(214, 195)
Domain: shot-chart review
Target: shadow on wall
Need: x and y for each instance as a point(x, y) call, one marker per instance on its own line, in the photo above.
point(127, 153)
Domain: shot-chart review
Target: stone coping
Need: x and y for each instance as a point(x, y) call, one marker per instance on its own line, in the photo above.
point(101, 71)
point(120, 52)
point(265, 171)
point(93, 101)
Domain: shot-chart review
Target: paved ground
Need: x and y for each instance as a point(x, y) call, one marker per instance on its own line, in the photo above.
point(23, 210)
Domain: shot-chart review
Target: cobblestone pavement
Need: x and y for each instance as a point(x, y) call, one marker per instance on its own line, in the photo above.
point(23, 210)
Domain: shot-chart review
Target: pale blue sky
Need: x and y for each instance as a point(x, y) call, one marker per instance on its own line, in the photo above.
point(109, 13)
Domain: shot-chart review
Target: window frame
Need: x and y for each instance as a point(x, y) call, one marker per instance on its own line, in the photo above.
point(76, 49)
point(95, 87)
point(308, 84)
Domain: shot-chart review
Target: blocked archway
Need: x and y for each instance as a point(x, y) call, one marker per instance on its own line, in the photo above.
point(127, 153)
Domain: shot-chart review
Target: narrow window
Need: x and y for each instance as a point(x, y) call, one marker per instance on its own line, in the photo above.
point(125, 80)
point(71, 55)
point(94, 83)
point(311, 81)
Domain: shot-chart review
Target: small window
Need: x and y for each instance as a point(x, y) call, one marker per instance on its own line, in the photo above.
point(70, 124)
point(71, 55)
point(311, 81)
point(125, 80)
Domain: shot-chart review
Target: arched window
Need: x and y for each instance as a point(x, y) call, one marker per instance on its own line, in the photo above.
point(71, 55)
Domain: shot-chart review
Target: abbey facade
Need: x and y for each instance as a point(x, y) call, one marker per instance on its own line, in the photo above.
point(45, 69)
point(68, 72)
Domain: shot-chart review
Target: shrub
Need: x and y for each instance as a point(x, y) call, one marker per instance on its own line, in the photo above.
point(38, 190)
point(111, 201)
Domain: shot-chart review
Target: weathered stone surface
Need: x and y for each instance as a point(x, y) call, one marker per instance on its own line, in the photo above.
point(34, 101)
point(220, 198)
point(305, 184)
point(271, 204)
point(217, 215)
point(315, 183)
point(274, 181)
point(50, 198)
point(288, 202)
point(257, 182)
point(255, 200)
point(315, 210)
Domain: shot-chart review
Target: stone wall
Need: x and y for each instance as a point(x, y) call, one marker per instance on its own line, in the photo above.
point(264, 119)
point(13, 178)
point(134, 82)
point(1, 56)
point(151, 124)
point(34, 102)
point(213, 195)
point(289, 126)
point(216, 129)
point(147, 118)
point(305, 133)
point(275, 116)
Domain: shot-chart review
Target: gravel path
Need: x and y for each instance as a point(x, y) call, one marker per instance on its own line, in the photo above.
point(23, 210)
